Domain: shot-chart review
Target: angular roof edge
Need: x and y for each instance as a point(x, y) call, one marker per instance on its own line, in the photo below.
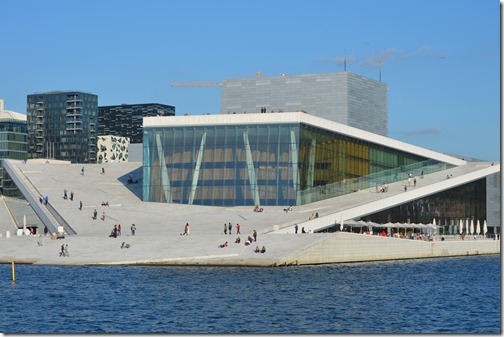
point(296, 117)
point(7, 114)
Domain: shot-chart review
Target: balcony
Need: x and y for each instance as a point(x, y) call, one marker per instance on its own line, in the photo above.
point(73, 99)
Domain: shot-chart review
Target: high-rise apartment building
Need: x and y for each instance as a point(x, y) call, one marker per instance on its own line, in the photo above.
point(126, 120)
point(13, 145)
point(62, 125)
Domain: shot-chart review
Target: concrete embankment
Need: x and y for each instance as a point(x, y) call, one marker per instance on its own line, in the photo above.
point(348, 247)
point(282, 250)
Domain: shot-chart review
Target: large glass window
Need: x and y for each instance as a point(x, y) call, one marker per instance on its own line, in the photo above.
point(278, 164)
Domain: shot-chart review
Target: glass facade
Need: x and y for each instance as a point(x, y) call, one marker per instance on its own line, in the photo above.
point(62, 125)
point(13, 145)
point(275, 164)
point(464, 203)
point(126, 120)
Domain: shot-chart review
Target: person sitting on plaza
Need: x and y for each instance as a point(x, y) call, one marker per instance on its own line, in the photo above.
point(256, 208)
point(263, 250)
point(237, 240)
point(225, 244)
point(288, 209)
point(248, 242)
point(257, 249)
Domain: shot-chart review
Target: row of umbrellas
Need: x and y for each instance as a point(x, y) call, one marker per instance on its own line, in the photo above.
point(361, 223)
point(469, 225)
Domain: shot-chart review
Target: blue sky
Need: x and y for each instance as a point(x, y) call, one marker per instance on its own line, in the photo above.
point(439, 58)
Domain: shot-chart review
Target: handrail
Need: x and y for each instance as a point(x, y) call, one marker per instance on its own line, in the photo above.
point(23, 185)
point(60, 219)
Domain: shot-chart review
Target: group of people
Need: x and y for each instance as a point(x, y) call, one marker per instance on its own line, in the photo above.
point(116, 231)
point(262, 250)
point(65, 194)
point(64, 251)
point(44, 200)
point(381, 188)
point(105, 203)
point(288, 209)
point(258, 209)
point(296, 227)
point(229, 228)
point(248, 242)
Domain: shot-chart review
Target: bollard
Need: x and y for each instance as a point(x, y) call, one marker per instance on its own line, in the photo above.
point(13, 273)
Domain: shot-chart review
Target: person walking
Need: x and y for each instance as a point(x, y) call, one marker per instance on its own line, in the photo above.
point(80, 205)
point(255, 235)
point(296, 228)
point(62, 253)
point(238, 228)
point(82, 170)
point(118, 228)
point(225, 229)
point(71, 195)
point(133, 229)
point(95, 214)
point(230, 227)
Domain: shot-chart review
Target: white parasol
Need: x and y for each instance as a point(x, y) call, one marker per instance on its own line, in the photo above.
point(485, 229)
point(478, 228)
point(24, 225)
point(471, 230)
point(461, 230)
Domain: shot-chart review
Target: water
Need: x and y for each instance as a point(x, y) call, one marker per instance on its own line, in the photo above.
point(448, 295)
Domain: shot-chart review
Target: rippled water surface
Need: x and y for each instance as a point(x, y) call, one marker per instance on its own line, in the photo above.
point(448, 295)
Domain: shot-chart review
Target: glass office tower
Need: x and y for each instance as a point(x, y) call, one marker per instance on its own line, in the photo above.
point(62, 125)
point(125, 120)
point(266, 164)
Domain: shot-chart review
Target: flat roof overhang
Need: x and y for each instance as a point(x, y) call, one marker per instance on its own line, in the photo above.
point(295, 117)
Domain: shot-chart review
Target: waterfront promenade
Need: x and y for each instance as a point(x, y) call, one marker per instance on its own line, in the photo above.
point(159, 225)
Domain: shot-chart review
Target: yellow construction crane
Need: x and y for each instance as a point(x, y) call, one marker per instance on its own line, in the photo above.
point(196, 84)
